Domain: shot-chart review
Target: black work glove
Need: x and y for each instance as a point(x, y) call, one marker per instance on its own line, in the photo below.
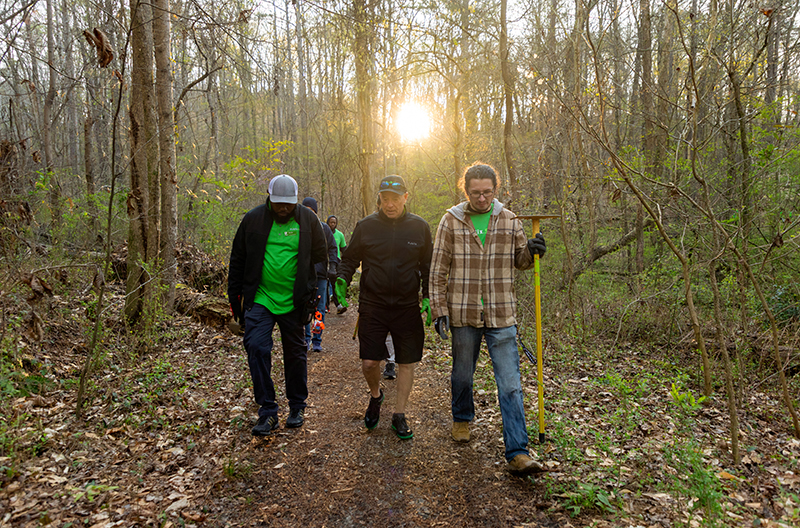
point(536, 245)
point(236, 325)
point(442, 325)
point(237, 309)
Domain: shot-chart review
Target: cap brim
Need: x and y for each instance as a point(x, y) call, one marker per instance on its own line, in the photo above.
point(393, 191)
point(283, 199)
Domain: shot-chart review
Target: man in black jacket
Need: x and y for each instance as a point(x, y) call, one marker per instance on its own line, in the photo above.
point(272, 280)
point(313, 337)
point(394, 250)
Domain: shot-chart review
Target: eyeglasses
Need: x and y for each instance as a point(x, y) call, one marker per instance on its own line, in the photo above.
point(477, 194)
point(386, 185)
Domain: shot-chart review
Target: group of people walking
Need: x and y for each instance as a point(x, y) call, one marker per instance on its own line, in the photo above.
point(283, 260)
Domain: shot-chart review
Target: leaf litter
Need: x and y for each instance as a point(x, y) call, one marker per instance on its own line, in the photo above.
point(166, 442)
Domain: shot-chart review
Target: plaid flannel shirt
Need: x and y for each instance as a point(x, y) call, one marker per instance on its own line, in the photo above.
point(464, 271)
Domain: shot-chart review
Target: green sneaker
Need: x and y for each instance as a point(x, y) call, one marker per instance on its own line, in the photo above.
point(401, 428)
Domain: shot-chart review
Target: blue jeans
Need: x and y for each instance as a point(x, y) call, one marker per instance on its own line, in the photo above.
point(322, 291)
point(502, 346)
point(259, 324)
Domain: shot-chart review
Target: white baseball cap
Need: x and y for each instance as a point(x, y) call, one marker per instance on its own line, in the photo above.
point(282, 189)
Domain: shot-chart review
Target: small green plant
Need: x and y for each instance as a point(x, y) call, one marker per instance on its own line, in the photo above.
point(685, 400)
point(588, 496)
point(92, 490)
point(694, 480)
point(236, 469)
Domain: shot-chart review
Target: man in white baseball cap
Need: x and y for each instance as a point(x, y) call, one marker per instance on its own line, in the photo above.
point(282, 189)
point(272, 280)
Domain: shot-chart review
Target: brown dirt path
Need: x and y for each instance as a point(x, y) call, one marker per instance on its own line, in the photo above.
point(333, 472)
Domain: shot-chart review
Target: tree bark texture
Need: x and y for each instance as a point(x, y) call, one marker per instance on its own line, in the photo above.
point(166, 147)
point(142, 244)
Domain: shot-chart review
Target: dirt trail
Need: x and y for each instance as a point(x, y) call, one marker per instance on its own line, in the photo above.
point(333, 472)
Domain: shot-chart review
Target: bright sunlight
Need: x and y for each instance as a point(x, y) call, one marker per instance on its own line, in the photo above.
point(413, 122)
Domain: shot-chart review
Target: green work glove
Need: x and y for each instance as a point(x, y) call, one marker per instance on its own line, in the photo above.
point(341, 291)
point(426, 307)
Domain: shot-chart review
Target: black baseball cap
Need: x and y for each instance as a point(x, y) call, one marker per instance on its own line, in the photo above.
point(393, 183)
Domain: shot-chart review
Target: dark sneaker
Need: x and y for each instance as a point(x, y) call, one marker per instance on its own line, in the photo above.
point(296, 418)
point(265, 426)
point(389, 372)
point(401, 428)
point(316, 348)
point(373, 415)
point(341, 310)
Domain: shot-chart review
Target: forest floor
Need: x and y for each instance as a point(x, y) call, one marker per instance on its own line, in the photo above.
point(165, 441)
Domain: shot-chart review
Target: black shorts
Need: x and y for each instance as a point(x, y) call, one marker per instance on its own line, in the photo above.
point(405, 324)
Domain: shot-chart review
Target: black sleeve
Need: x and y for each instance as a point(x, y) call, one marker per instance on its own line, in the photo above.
point(236, 272)
point(351, 256)
point(319, 246)
point(333, 251)
point(425, 261)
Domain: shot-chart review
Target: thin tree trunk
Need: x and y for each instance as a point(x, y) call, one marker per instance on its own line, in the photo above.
point(49, 155)
point(166, 147)
point(363, 63)
point(72, 137)
point(508, 95)
point(88, 166)
point(142, 244)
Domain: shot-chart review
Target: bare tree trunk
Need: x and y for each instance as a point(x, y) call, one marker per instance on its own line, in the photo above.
point(363, 62)
point(88, 166)
point(644, 53)
point(72, 138)
point(666, 83)
point(142, 244)
point(166, 147)
point(49, 161)
point(301, 74)
point(508, 95)
point(462, 88)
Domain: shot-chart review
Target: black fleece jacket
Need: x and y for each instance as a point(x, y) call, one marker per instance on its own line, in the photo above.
point(250, 245)
point(395, 258)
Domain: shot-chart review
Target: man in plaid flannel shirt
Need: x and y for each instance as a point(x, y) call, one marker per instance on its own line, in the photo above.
point(479, 245)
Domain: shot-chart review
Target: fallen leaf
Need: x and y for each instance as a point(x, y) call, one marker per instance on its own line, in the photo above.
point(177, 505)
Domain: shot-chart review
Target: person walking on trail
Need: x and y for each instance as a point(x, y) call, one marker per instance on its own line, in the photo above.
point(479, 244)
point(272, 280)
point(393, 248)
point(341, 244)
point(313, 331)
point(390, 371)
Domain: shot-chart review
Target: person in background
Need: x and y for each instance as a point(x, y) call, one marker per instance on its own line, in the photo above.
point(390, 372)
point(479, 245)
point(341, 244)
point(272, 280)
point(313, 338)
point(393, 248)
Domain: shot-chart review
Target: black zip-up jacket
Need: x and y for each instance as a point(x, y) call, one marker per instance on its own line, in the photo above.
point(250, 245)
point(323, 269)
point(395, 258)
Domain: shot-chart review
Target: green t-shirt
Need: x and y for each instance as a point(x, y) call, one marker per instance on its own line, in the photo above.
point(280, 268)
point(481, 222)
point(338, 236)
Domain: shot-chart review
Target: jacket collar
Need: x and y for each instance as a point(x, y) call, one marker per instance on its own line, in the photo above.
point(385, 218)
point(461, 211)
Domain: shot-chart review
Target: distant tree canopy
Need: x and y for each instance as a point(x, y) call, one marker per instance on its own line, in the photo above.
point(603, 112)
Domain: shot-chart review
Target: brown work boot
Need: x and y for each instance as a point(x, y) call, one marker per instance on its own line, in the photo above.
point(460, 432)
point(523, 464)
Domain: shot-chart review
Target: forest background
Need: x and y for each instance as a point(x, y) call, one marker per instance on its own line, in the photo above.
point(664, 135)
